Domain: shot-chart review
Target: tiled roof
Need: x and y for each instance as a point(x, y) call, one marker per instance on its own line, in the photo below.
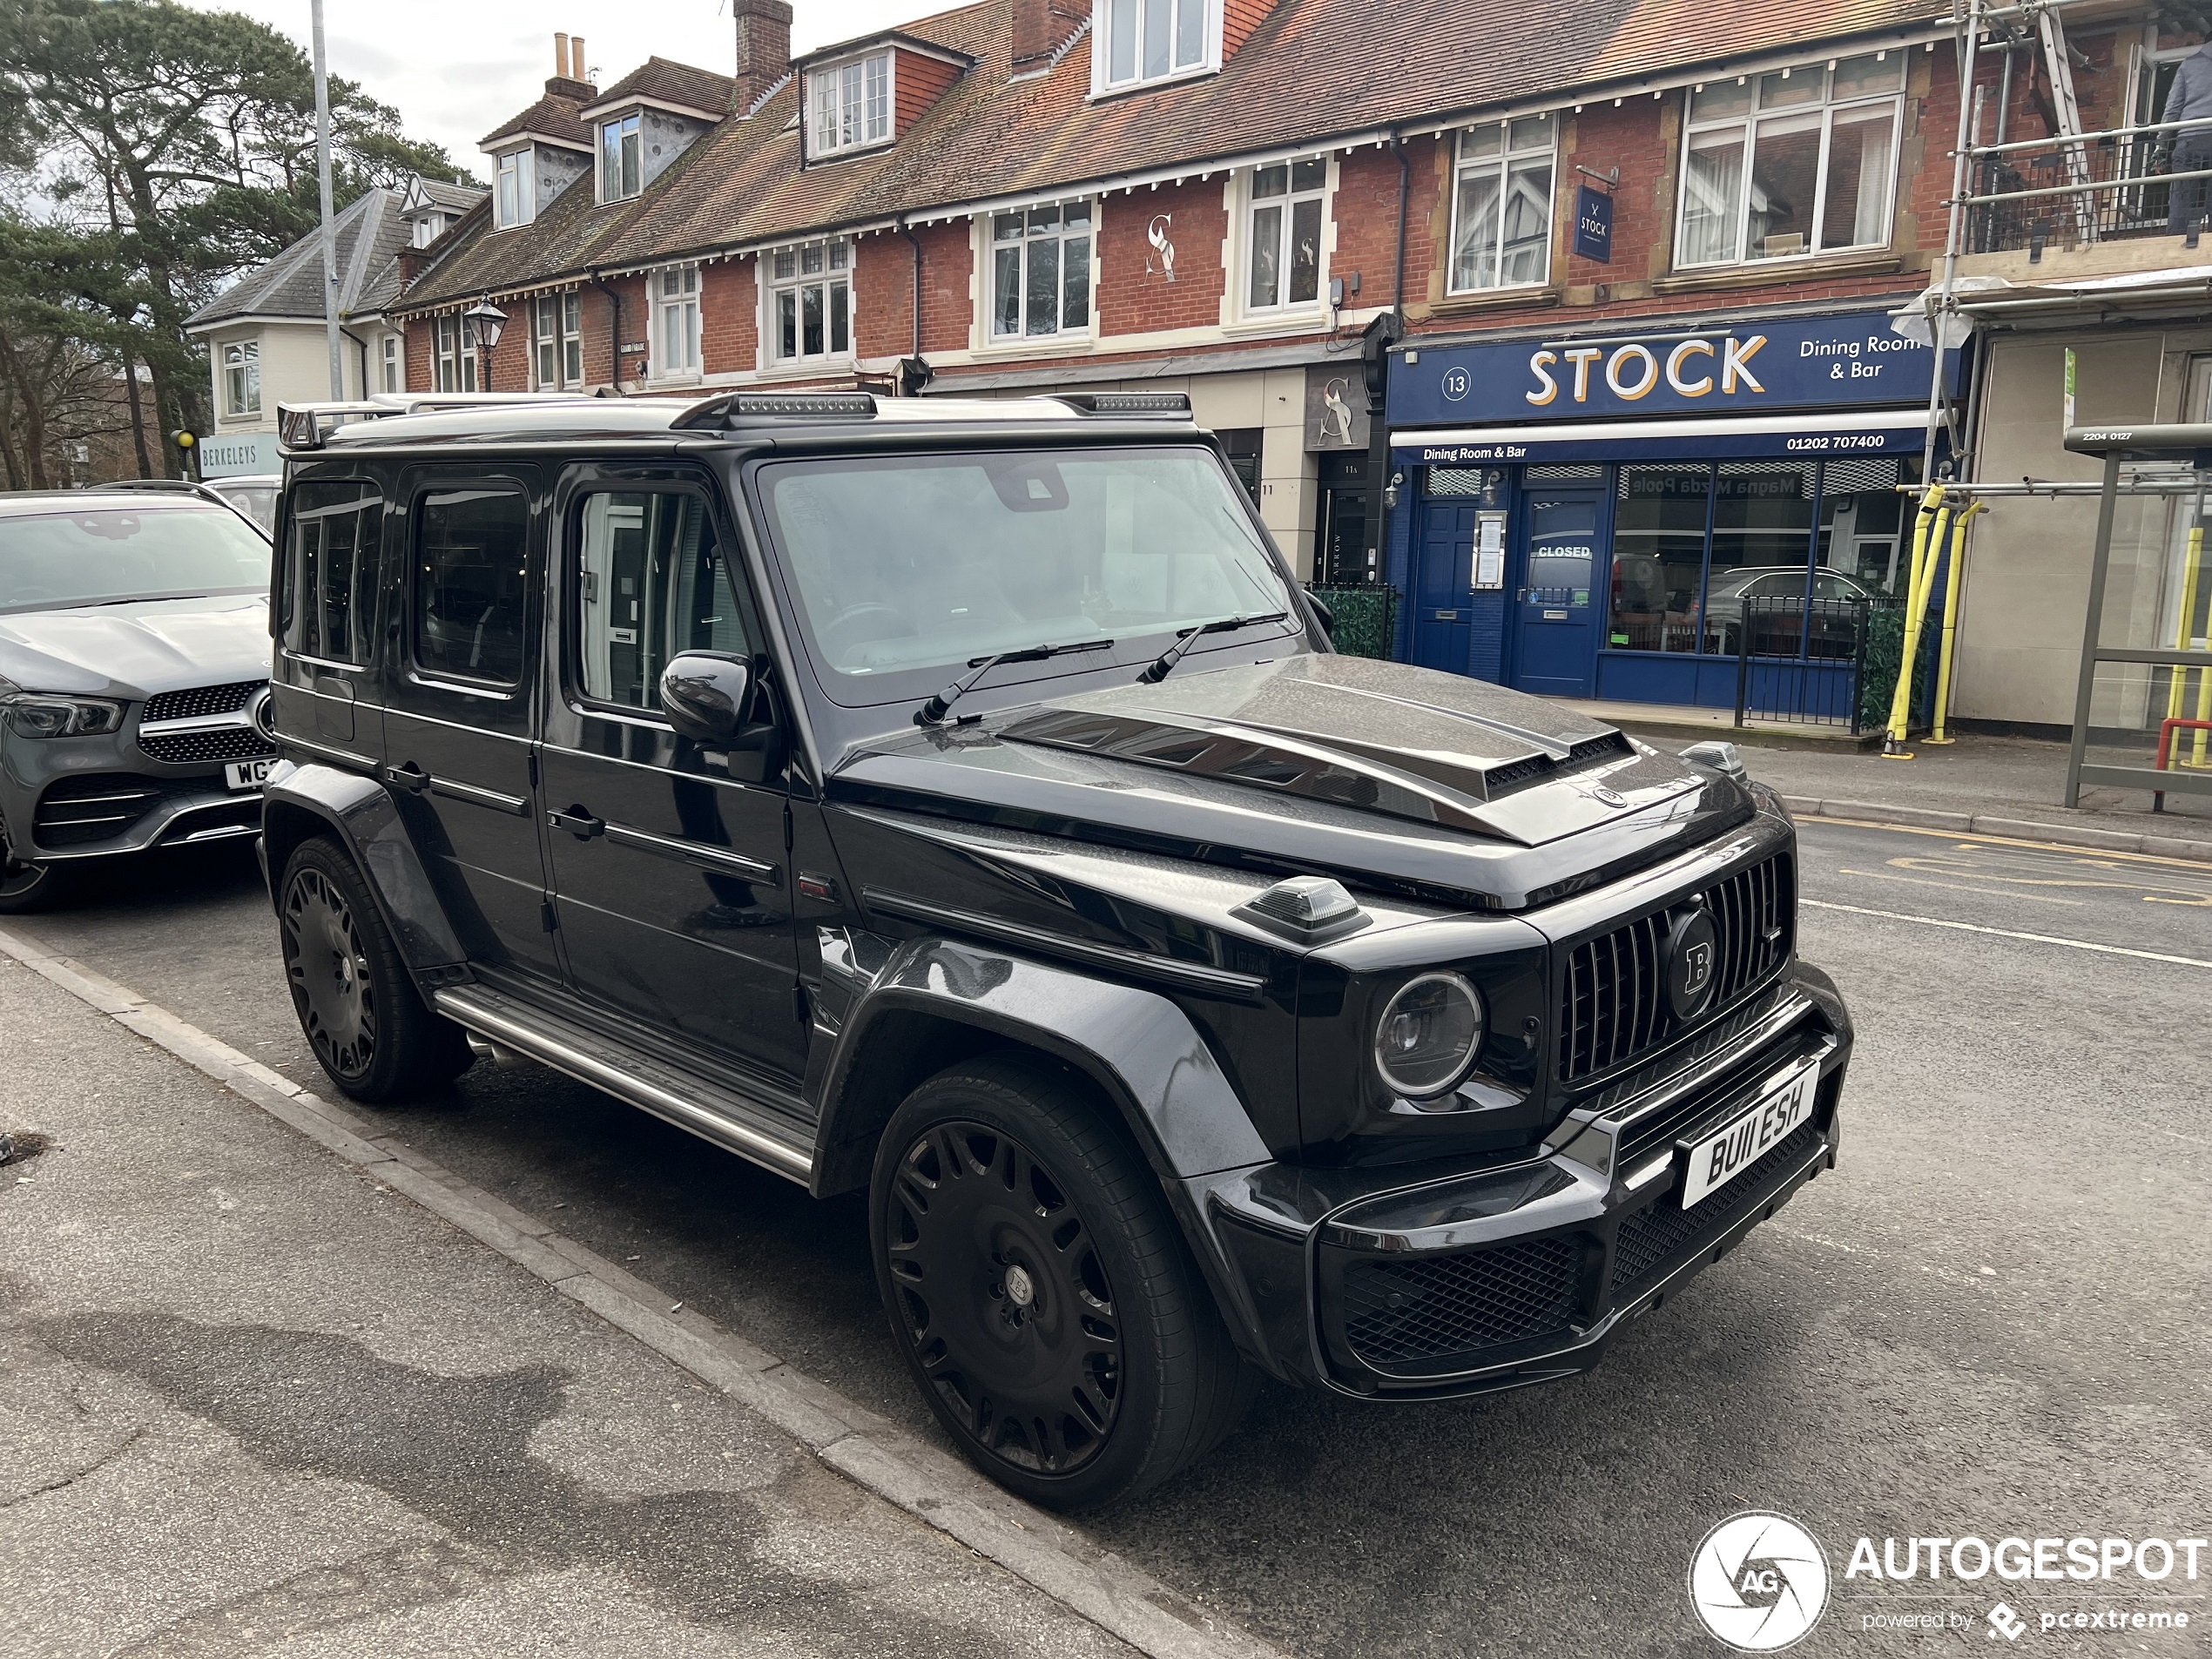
point(1312, 70)
point(369, 233)
point(671, 82)
point(454, 198)
point(552, 115)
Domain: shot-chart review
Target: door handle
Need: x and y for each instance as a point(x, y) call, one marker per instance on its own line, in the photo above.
point(410, 777)
point(578, 823)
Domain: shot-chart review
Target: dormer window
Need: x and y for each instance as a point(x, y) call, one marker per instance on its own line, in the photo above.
point(516, 202)
point(1143, 41)
point(622, 159)
point(851, 103)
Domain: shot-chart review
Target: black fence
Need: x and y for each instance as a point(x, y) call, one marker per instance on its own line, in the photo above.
point(1822, 662)
point(2139, 207)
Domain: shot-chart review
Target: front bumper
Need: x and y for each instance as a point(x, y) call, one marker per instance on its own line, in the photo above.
point(66, 799)
point(1367, 1284)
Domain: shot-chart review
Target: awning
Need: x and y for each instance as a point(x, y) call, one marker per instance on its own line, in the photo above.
point(1861, 432)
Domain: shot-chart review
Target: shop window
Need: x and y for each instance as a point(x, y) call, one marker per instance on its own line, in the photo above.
point(810, 301)
point(1794, 163)
point(1502, 204)
point(1041, 271)
point(1863, 521)
point(1283, 250)
point(1659, 523)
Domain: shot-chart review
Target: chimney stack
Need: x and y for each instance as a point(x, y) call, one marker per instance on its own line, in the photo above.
point(1041, 28)
point(568, 79)
point(764, 49)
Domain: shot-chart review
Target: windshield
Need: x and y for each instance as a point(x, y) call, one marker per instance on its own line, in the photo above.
point(902, 568)
point(50, 561)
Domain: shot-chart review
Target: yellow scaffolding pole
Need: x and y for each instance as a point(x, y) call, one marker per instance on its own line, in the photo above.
point(2177, 682)
point(1957, 537)
point(1916, 601)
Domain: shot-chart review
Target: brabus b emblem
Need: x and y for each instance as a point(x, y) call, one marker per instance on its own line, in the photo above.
point(1693, 952)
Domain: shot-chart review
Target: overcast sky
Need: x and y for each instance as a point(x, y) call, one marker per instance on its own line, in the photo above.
point(456, 68)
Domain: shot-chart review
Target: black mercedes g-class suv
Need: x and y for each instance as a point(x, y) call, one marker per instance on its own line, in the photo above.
point(961, 801)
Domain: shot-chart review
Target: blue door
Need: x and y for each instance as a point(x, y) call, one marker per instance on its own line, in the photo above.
point(1443, 585)
point(1556, 607)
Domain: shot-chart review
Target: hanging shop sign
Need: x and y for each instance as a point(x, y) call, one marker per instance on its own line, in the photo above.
point(1593, 225)
point(1854, 361)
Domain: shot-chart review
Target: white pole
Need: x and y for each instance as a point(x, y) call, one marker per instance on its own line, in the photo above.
point(329, 230)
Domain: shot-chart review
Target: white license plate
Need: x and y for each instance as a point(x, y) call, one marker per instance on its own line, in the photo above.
point(247, 774)
point(1725, 1154)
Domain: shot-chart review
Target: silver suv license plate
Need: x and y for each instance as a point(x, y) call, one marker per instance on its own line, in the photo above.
point(1723, 1155)
point(247, 774)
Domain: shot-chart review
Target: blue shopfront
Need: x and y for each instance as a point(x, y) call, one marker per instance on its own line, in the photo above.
point(1597, 515)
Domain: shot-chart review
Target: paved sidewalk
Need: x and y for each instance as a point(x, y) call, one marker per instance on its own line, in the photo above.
point(252, 1397)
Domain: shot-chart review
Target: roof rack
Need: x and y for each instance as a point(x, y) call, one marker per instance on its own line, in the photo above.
point(304, 426)
point(199, 488)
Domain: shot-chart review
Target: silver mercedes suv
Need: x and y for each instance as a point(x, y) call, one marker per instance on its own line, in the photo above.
point(134, 668)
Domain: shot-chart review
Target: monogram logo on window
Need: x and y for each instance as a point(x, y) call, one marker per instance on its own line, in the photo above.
point(1157, 234)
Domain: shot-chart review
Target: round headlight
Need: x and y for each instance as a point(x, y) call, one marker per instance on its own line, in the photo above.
point(1427, 1035)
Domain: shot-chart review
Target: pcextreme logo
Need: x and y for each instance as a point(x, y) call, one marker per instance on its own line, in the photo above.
point(1758, 1583)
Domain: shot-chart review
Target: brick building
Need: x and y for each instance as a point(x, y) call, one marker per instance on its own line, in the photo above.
point(1697, 227)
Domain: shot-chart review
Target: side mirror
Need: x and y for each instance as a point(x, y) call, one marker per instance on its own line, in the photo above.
point(1324, 615)
point(704, 694)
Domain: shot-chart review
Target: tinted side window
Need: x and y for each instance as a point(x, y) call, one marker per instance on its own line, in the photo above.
point(330, 570)
point(649, 583)
point(469, 582)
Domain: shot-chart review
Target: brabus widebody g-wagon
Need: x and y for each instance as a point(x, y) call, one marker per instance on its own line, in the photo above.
point(961, 802)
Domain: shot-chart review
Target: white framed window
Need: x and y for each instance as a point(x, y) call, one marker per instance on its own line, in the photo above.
point(556, 341)
point(1502, 203)
point(517, 194)
point(392, 370)
point(1283, 257)
point(1041, 271)
point(622, 159)
point(1797, 162)
point(851, 103)
point(457, 355)
point(1150, 40)
point(242, 377)
point(676, 321)
point(810, 301)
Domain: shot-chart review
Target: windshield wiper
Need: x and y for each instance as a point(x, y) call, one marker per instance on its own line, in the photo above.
point(1163, 664)
point(934, 712)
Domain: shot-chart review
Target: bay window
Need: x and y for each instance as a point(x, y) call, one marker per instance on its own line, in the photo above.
point(851, 103)
point(556, 341)
point(242, 377)
point(1283, 252)
point(1796, 162)
point(517, 192)
point(1041, 271)
point(1502, 204)
point(622, 159)
point(810, 301)
point(1148, 40)
point(676, 309)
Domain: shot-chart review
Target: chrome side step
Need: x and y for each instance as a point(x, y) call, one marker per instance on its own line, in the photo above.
point(712, 1113)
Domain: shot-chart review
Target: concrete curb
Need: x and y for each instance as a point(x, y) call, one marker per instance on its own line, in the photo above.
point(1987, 824)
point(937, 1489)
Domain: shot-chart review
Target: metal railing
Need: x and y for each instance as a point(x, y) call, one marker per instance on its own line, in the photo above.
point(1813, 663)
point(2095, 187)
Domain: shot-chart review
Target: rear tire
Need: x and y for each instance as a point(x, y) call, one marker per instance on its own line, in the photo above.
point(1040, 1290)
point(370, 1028)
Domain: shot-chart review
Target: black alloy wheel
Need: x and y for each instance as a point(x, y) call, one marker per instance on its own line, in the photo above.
point(25, 884)
point(1039, 1290)
point(368, 1026)
point(1006, 1303)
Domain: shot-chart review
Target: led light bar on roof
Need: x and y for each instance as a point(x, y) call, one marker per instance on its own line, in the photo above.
point(735, 407)
point(1128, 403)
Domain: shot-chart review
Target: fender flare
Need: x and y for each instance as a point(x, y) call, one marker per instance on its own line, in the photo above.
point(1135, 1048)
point(299, 801)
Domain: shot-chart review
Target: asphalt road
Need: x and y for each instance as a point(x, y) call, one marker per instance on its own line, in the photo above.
point(1989, 1321)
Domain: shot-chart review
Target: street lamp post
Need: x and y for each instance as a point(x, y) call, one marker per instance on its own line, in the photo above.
point(484, 322)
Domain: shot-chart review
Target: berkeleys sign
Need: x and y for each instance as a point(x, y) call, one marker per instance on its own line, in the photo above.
point(1740, 368)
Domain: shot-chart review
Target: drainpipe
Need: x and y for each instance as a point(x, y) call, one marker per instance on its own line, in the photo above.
point(614, 342)
point(363, 346)
point(914, 372)
point(1381, 335)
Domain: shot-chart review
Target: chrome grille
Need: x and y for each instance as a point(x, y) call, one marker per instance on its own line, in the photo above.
point(78, 811)
point(1400, 1312)
point(198, 701)
point(1613, 992)
point(223, 743)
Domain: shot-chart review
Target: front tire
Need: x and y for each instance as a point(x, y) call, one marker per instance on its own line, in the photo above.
point(1040, 1290)
point(370, 1028)
point(27, 885)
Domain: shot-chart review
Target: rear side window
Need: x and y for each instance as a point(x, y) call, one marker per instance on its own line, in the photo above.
point(331, 569)
point(469, 582)
point(649, 583)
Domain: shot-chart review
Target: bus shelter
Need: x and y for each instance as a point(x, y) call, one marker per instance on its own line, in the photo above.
point(2145, 685)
